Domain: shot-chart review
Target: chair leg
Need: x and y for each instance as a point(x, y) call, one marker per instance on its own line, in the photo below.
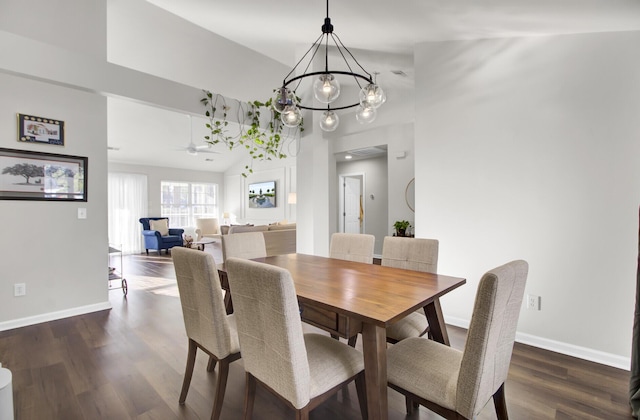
point(221, 385)
point(249, 396)
point(147, 252)
point(361, 389)
point(335, 336)
point(410, 405)
point(188, 371)
point(211, 365)
point(500, 402)
point(352, 340)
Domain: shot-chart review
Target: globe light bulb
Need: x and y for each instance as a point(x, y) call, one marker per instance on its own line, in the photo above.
point(329, 121)
point(372, 96)
point(282, 97)
point(366, 114)
point(326, 88)
point(291, 116)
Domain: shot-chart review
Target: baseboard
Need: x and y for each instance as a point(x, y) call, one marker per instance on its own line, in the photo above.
point(52, 316)
point(585, 353)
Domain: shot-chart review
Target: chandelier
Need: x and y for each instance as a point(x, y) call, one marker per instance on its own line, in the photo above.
point(326, 87)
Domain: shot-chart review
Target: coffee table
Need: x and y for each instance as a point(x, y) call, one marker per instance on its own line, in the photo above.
point(202, 242)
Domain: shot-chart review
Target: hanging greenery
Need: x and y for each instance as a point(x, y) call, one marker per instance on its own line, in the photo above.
point(261, 142)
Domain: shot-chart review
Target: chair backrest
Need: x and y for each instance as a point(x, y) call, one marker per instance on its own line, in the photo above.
point(269, 328)
point(352, 247)
point(146, 224)
point(243, 245)
point(208, 226)
point(416, 254)
point(202, 300)
point(492, 331)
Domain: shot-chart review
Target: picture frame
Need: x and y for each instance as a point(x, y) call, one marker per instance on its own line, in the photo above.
point(34, 129)
point(262, 195)
point(30, 175)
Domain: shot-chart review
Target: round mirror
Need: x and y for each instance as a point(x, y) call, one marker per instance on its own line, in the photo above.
point(410, 194)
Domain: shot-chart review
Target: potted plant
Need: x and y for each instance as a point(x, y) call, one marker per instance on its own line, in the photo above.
point(401, 227)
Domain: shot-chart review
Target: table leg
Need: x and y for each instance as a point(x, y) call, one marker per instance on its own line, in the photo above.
point(437, 327)
point(374, 346)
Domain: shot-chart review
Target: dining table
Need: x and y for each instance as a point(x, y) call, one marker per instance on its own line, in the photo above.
point(346, 298)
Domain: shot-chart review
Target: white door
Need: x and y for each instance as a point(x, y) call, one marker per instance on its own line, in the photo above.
point(352, 205)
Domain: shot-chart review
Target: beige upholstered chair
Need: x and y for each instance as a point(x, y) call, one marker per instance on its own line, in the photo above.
point(207, 228)
point(302, 369)
point(352, 247)
point(245, 245)
point(208, 326)
point(415, 254)
point(454, 384)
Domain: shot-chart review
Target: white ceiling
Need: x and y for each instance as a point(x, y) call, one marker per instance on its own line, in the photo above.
point(276, 29)
point(144, 135)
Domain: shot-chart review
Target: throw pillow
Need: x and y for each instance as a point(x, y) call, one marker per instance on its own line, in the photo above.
point(160, 225)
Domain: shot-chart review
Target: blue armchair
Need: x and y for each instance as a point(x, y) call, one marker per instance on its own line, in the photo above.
point(154, 239)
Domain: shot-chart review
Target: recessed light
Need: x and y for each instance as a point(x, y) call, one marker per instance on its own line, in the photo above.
point(348, 157)
point(113, 148)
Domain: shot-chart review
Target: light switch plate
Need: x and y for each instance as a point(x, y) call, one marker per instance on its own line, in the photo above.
point(82, 213)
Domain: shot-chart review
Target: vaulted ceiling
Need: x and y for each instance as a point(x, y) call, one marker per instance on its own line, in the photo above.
point(277, 29)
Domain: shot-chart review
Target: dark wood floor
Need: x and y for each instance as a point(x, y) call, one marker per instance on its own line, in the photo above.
point(127, 363)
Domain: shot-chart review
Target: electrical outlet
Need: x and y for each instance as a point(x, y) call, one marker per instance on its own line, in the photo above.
point(19, 289)
point(533, 302)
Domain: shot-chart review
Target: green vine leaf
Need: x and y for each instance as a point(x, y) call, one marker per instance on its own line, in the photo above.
point(261, 144)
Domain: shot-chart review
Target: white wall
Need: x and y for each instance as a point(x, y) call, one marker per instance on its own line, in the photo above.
point(62, 259)
point(528, 148)
point(282, 171)
point(149, 39)
point(76, 25)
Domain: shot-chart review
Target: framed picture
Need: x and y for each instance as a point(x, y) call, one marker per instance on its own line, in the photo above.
point(262, 195)
point(27, 175)
point(40, 130)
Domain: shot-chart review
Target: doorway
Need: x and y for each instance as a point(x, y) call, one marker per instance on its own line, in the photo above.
point(352, 212)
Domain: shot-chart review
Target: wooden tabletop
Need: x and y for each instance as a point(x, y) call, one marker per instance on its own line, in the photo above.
point(371, 293)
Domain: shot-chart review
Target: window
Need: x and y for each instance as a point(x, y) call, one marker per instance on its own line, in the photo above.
point(127, 203)
point(184, 202)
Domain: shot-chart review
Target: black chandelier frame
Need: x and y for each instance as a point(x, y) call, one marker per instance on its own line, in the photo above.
point(327, 32)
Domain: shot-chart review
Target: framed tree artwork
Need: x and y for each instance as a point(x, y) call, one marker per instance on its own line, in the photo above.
point(29, 175)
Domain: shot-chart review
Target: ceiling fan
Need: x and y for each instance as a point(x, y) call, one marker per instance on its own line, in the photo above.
point(191, 148)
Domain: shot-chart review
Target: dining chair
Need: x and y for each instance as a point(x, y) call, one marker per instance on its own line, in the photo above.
point(458, 384)
point(356, 247)
point(417, 254)
point(208, 326)
point(245, 245)
point(303, 370)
